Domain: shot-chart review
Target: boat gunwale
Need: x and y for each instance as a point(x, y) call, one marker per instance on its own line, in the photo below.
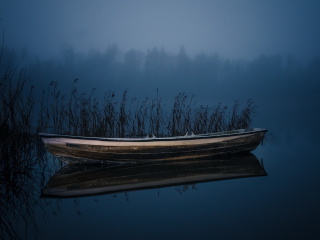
point(238, 132)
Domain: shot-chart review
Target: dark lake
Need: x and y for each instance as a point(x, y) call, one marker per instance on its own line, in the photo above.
point(284, 204)
point(279, 201)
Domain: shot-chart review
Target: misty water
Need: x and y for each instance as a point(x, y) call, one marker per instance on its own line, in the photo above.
point(284, 204)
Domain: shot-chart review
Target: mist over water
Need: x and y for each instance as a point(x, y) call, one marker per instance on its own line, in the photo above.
point(236, 30)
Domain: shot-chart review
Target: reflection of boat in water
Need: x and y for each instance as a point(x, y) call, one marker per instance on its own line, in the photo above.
point(76, 180)
point(78, 149)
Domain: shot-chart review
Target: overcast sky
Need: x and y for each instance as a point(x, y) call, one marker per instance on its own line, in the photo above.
point(232, 28)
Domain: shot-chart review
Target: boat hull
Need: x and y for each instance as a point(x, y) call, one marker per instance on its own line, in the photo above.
point(79, 149)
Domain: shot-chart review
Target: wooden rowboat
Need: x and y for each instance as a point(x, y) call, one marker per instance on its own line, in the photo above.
point(75, 149)
point(76, 180)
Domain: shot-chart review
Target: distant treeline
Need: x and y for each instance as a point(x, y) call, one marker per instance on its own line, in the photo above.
point(202, 74)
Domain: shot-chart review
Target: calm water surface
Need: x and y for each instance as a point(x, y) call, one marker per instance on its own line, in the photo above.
point(282, 205)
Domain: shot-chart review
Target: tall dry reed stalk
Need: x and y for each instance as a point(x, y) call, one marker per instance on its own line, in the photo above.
point(84, 115)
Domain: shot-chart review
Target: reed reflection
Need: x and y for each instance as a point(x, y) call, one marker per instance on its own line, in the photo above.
point(24, 170)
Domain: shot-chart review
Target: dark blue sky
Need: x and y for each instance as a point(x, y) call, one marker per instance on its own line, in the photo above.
point(232, 28)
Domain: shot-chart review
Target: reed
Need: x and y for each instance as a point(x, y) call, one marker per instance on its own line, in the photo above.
point(84, 115)
point(20, 153)
point(16, 116)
